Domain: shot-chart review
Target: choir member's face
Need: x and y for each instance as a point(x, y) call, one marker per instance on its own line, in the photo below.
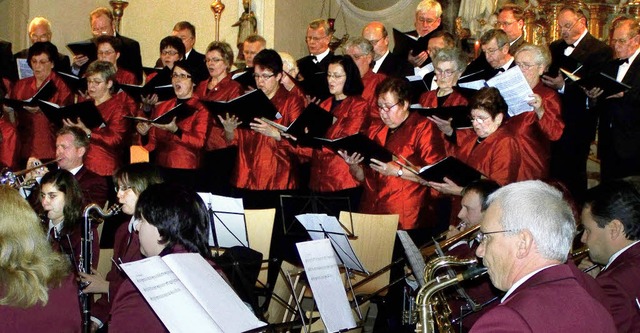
point(435, 44)
point(531, 70)
point(496, 55)
point(169, 56)
point(498, 250)
point(471, 212)
point(101, 25)
point(216, 64)
point(595, 238)
point(508, 23)
point(317, 40)
point(39, 33)
point(68, 155)
point(363, 61)
point(182, 83)
point(127, 197)
point(106, 52)
point(52, 202)
point(373, 33)
point(392, 111)
point(447, 74)
point(42, 66)
point(151, 243)
point(483, 124)
point(249, 50)
point(187, 38)
point(266, 80)
point(570, 26)
point(98, 87)
point(426, 21)
point(336, 77)
point(624, 44)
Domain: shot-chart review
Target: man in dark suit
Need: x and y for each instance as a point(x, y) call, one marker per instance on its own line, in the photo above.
point(569, 154)
point(312, 66)
point(619, 125)
point(511, 21)
point(427, 20)
point(385, 62)
point(102, 23)
point(187, 33)
point(611, 220)
point(40, 31)
point(495, 57)
point(5, 62)
point(524, 248)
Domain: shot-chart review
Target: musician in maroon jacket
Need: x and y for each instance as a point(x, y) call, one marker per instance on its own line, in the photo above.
point(38, 293)
point(178, 144)
point(388, 189)
point(131, 180)
point(523, 248)
point(611, 220)
point(172, 220)
point(535, 130)
point(37, 134)
point(105, 141)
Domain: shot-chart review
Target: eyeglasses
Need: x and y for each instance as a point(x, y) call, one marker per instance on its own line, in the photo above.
point(40, 38)
point(479, 120)
point(106, 53)
point(622, 40)
point(492, 51)
point(374, 41)
point(387, 108)
point(169, 52)
point(208, 60)
point(446, 72)
point(314, 39)
point(504, 24)
point(41, 62)
point(263, 76)
point(122, 188)
point(525, 66)
point(482, 236)
point(357, 56)
point(335, 76)
point(426, 20)
point(94, 81)
point(567, 26)
point(180, 76)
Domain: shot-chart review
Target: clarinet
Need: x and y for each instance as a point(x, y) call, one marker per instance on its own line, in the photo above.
point(86, 257)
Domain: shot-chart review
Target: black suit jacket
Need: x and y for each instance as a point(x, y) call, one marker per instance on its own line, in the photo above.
point(307, 70)
point(5, 60)
point(395, 66)
point(62, 64)
point(130, 57)
point(515, 46)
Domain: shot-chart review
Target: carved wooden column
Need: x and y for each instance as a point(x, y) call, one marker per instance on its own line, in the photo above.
point(632, 8)
point(599, 16)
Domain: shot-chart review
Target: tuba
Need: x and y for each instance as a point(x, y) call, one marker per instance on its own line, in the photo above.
point(432, 305)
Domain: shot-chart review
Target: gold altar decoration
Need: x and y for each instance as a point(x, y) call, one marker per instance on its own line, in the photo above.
point(118, 7)
point(217, 7)
point(631, 8)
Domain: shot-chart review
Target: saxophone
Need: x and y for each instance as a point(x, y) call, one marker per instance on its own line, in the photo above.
point(432, 305)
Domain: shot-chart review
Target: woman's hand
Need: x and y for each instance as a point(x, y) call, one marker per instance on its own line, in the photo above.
point(448, 187)
point(78, 123)
point(536, 104)
point(97, 284)
point(353, 159)
point(32, 109)
point(170, 127)
point(443, 125)
point(263, 128)
point(143, 128)
point(387, 169)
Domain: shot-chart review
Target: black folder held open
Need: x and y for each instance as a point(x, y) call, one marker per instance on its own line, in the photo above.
point(450, 167)
point(180, 111)
point(160, 85)
point(358, 143)
point(254, 104)
point(45, 93)
point(314, 121)
point(459, 114)
point(86, 111)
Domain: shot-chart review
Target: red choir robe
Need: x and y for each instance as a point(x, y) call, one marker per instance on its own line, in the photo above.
point(429, 99)
point(37, 136)
point(227, 89)
point(60, 314)
point(126, 77)
point(106, 141)
point(370, 80)
point(535, 135)
point(8, 144)
point(179, 152)
point(264, 163)
point(419, 141)
point(497, 156)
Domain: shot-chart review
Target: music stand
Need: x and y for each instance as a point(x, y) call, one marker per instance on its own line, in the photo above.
point(292, 205)
point(228, 223)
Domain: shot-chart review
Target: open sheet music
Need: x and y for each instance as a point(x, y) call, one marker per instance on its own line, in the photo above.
point(229, 228)
point(188, 295)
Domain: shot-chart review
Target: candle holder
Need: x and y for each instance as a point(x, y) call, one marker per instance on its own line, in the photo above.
point(217, 7)
point(118, 11)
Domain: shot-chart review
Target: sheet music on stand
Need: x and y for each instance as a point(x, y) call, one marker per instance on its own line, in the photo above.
point(321, 226)
point(413, 256)
point(292, 205)
point(228, 228)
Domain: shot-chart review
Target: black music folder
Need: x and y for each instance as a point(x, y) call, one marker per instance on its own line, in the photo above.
point(245, 78)
point(418, 86)
point(73, 82)
point(254, 104)
point(460, 114)
point(607, 83)
point(44, 93)
point(315, 85)
point(450, 167)
point(180, 111)
point(84, 47)
point(314, 119)
point(86, 111)
point(567, 63)
point(160, 85)
point(358, 143)
point(406, 43)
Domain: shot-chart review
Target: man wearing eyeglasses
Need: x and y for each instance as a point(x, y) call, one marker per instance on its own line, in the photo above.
point(579, 52)
point(497, 59)
point(39, 30)
point(511, 21)
point(524, 248)
point(427, 20)
point(187, 33)
point(385, 62)
point(619, 125)
point(314, 66)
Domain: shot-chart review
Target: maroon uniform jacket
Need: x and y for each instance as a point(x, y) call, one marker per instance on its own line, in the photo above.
point(620, 284)
point(94, 188)
point(264, 163)
point(8, 144)
point(370, 80)
point(126, 248)
point(36, 133)
point(552, 300)
point(71, 243)
point(535, 135)
point(227, 89)
point(419, 141)
point(180, 151)
point(60, 314)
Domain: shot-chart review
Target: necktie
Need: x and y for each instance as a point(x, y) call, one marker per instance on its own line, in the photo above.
point(501, 69)
point(315, 59)
point(621, 62)
point(569, 49)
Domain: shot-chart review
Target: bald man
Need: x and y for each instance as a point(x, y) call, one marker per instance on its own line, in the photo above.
point(385, 62)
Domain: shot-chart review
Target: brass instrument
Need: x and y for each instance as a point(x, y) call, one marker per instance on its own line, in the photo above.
point(433, 308)
point(86, 256)
point(429, 251)
point(16, 179)
point(578, 255)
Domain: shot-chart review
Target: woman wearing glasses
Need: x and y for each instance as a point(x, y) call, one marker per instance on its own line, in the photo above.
point(178, 143)
point(449, 63)
point(172, 50)
point(388, 189)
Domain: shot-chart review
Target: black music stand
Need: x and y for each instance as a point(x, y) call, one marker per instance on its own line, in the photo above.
point(292, 205)
point(225, 229)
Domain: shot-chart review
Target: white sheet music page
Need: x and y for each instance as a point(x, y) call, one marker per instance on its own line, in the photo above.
point(324, 278)
point(228, 220)
point(514, 89)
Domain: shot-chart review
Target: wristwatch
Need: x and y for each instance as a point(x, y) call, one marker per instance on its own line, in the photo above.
point(400, 172)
